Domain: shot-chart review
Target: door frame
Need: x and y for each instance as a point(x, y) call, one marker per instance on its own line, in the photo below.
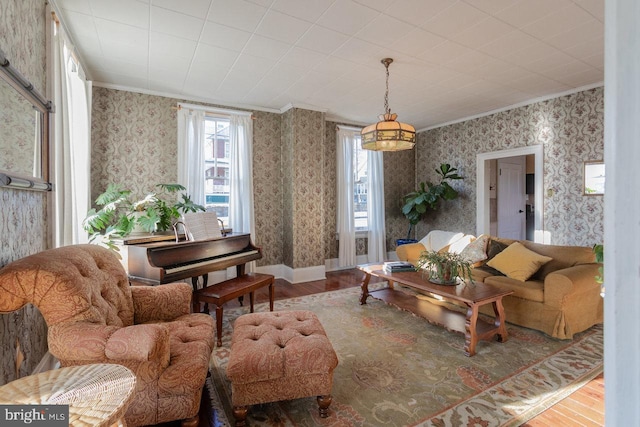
point(482, 188)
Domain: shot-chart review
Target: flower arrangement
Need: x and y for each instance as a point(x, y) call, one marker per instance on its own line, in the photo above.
point(444, 268)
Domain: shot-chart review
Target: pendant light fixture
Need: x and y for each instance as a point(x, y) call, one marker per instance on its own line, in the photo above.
point(388, 134)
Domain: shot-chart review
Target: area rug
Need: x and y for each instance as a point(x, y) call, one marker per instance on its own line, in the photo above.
point(396, 369)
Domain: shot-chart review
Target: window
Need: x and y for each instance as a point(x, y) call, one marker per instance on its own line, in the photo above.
point(360, 179)
point(216, 166)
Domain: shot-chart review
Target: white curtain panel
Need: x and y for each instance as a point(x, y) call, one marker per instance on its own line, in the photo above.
point(377, 249)
point(345, 220)
point(241, 212)
point(71, 145)
point(191, 152)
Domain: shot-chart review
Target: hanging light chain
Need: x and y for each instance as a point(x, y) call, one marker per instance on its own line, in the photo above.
point(386, 63)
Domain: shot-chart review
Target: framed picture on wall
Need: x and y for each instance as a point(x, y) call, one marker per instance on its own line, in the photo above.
point(594, 178)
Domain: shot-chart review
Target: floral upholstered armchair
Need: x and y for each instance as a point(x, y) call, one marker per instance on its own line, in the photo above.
point(94, 316)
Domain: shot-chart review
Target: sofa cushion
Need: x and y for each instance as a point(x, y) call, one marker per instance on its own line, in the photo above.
point(518, 262)
point(563, 256)
point(532, 290)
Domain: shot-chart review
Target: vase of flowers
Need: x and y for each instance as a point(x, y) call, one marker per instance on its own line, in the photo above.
point(444, 268)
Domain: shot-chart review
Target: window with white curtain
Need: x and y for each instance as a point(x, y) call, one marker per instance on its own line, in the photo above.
point(217, 171)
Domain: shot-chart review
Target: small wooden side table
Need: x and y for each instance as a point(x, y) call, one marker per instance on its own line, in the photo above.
point(97, 394)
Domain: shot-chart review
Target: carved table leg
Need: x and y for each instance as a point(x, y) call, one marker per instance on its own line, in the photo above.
point(499, 322)
point(219, 324)
point(240, 415)
point(365, 288)
point(272, 294)
point(323, 405)
point(471, 333)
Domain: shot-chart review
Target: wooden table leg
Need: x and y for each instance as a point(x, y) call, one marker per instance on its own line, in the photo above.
point(499, 321)
point(364, 288)
point(251, 301)
point(471, 333)
point(219, 324)
point(272, 295)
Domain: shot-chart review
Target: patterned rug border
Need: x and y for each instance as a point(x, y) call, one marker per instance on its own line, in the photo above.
point(507, 403)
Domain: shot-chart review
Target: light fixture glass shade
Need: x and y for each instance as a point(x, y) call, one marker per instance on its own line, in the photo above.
point(388, 135)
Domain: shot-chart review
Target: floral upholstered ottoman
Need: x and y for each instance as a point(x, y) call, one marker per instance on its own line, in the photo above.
point(279, 356)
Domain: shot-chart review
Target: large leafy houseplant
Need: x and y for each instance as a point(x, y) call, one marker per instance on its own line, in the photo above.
point(428, 195)
point(118, 215)
point(444, 268)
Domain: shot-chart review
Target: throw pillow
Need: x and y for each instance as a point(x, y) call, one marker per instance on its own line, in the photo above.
point(476, 251)
point(518, 262)
point(494, 248)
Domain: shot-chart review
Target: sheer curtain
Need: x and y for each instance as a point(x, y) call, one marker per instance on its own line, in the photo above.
point(377, 249)
point(345, 220)
point(71, 144)
point(241, 214)
point(191, 152)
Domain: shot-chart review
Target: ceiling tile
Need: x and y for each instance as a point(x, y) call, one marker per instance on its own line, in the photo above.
point(591, 30)
point(80, 25)
point(125, 68)
point(483, 32)
point(302, 58)
point(509, 43)
point(165, 44)
point(490, 6)
point(562, 20)
point(174, 23)
point(124, 11)
point(322, 39)
point(224, 36)
point(214, 56)
point(121, 79)
point(524, 12)
point(81, 6)
point(195, 8)
point(418, 12)
point(384, 31)
point(282, 27)
point(239, 14)
point(361, 52)
point(417, 41)
point(265, 47)
point(308, 10)
point(347, 17)
point(454, 20)
point(124, 34)
point(594, 7)
point(133, 53)
point(444, 52)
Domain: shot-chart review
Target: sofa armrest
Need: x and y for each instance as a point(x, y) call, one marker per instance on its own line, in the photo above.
point(161, 303)
point(94, 343)
point(410, 252)
point(562, 284)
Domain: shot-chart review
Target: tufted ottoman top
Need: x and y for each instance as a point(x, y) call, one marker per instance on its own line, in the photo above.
point(271, 345)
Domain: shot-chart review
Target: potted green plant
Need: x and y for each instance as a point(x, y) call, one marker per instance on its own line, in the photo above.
point(598, 249)
point(444, 268)
point(118, 215)
point(428, 195)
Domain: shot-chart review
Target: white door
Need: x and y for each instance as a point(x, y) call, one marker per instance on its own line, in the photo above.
point(511, 198)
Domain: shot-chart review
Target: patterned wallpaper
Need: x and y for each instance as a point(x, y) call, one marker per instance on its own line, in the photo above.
point(134, 145)
point(18, 122)
point(23, 217)
point(571, 128)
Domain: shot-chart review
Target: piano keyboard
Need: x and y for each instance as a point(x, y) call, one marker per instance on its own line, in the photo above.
point(195, 265)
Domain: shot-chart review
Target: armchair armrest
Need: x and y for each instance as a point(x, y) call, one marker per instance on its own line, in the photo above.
point(410, 252)
point(93, 343)
point(160, 303)
point(563, 284)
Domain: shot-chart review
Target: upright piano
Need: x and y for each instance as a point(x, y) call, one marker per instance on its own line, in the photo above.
point(160, 262)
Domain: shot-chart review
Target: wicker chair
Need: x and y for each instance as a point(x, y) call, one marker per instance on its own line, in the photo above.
point(94, 316)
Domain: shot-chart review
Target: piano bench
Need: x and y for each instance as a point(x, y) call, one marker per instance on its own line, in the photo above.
point(228, 290)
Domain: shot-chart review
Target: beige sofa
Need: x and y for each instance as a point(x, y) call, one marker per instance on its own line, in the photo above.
point(561, 299)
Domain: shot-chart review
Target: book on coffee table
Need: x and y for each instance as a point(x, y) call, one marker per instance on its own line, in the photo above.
point(397, 266)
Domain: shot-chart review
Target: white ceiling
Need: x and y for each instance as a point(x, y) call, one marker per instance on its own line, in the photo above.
point(453, 59)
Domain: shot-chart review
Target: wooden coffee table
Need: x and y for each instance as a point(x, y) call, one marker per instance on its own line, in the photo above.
point(472, 296)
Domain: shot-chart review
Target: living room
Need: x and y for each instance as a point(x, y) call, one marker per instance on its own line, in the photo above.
point(298, 238)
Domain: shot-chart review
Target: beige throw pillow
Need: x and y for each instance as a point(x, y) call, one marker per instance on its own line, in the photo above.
point(476, 251)
point(518, 262)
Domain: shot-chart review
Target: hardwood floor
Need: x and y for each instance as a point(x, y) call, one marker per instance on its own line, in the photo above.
point(585, 407)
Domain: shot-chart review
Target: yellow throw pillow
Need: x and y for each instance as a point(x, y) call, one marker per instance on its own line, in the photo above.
point(518, 262)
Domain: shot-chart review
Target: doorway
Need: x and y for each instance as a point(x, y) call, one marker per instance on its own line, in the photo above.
point(486, 186)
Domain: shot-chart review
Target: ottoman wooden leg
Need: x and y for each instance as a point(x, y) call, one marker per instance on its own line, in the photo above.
point(323, 405)
point(240, 415)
